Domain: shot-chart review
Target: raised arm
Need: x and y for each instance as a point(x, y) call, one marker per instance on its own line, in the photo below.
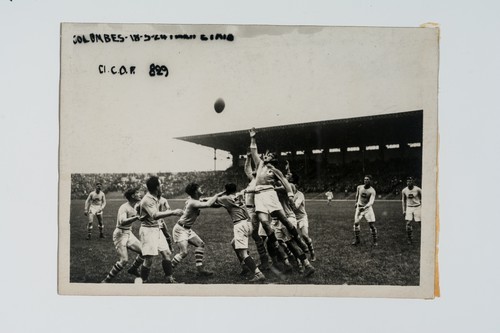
point(253, 148)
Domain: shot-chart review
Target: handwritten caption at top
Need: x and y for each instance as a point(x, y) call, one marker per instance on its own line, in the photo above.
point(120, 38)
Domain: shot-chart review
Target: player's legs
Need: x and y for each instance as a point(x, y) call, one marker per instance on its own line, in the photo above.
point(90, 216)
point(135, 245)
point(374, 232)
point(303, 225)
point(199, 253)
point(409, 232)
point(149, 246)
point(272, 241)
point(298, 253)
point(280, 215)
point(356, 227)
point(100, 224)
point(120, 239)
point(261, 249)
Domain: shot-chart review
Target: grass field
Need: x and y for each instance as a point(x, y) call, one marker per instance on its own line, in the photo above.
point(393, 262)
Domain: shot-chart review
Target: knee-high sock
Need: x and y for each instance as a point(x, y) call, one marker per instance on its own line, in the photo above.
point(199, 253)
point(117, 268)
point(167, 267)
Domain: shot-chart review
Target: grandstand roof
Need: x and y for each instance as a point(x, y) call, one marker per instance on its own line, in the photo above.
point(402, 127)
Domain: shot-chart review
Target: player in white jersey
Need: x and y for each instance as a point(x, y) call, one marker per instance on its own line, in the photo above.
point(183, 235)
point(249, 194)
point(242, 229)
point(412, 206)
point(365, 197)
point(124, 239)
point(153, 241)
point(266, 199)
point(329, 197)
point(94, 206)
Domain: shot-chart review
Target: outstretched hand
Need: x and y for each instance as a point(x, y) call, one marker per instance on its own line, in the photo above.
point(252, 132)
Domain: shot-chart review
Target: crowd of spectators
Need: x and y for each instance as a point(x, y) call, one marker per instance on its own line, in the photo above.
point(388, 179)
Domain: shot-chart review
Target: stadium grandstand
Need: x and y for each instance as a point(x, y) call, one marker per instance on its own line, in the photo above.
point(332, 154)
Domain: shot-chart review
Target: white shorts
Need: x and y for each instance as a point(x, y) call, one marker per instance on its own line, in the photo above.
point(180, 234)
point(242, 231)
point(153, 241)
point(125, 238)
point(303, 222)
point(280, 230)
point(413, 213)
point(93, 212)
point(368, 214)
point(266, 201)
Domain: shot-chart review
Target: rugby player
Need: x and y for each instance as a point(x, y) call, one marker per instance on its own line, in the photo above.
point(242, 229)
point(249, 193)
point(297, 252)
point(365, 197)
point(299, 208)
point(266, 199)
point(412, 208)
point(124, 239)
point(152, 239)
point(94, 206)
point(329, 197)
point(183, 235)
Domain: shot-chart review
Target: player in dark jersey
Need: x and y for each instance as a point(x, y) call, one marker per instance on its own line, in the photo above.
point(242, 229)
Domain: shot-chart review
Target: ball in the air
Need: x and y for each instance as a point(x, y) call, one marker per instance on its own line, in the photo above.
point(219, 105)
point(138, 280)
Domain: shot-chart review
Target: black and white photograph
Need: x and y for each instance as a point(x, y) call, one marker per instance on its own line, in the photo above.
point(245, 160)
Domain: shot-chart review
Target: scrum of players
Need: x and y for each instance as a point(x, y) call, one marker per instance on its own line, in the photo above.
point(270, 211)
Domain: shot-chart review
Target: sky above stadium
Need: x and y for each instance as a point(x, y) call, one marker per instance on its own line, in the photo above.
point(267, 76)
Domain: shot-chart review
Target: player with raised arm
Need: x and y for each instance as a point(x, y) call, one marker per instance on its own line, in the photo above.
point(250, 207)
point(412, 206)
point(183, 235)
point(365, 197)
point(266, 199)
point(242, 229)
point(124, 239)
point(94, 206)
point(152, 239)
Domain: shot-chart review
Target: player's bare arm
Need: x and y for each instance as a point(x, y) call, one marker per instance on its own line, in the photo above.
point(206, 204)
point(253, 148)
point(103, 202)
point(167, 213)
point(404, 202)
point(129, 220)
point(87, 204)
point(371, 201)
point(357, 197)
